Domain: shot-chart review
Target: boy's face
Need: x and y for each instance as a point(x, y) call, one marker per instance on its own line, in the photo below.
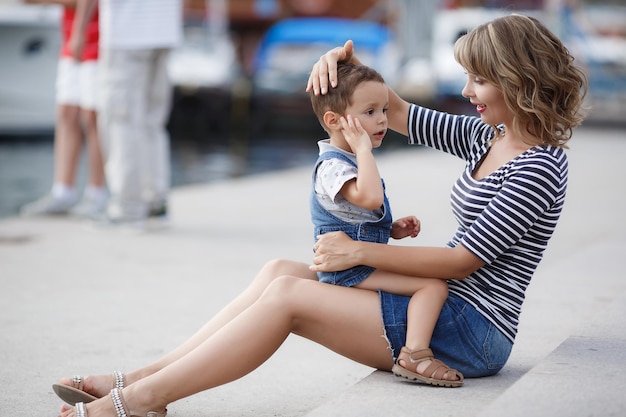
point(370, 101)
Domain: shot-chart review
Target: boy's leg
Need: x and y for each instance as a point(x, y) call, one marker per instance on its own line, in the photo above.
point(427, 298)
point(423, 312)
point(397, 283)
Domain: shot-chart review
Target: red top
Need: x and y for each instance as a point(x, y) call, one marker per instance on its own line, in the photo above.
point(92, 35)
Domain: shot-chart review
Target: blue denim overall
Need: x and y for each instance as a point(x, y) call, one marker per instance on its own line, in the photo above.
point(325, 222)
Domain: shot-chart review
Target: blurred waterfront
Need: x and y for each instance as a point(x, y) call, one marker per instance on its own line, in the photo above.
point(26, 163)
point(239, 102)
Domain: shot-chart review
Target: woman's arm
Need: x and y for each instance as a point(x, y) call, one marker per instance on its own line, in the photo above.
point(324, 73)
point(335, 251)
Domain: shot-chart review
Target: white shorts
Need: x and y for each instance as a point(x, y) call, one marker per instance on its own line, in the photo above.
point(77, 83)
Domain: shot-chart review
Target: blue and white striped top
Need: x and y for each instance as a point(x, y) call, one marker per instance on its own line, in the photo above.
point(505, 219)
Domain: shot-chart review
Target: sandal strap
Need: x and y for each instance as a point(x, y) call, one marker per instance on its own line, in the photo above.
point(77, 382)
point(118, 402)
point(81, 411)
point(120, 406)
point(438, 370)
point(118, 379)
point(417, 356)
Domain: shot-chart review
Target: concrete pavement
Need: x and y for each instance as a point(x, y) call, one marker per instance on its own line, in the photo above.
point(78, 300)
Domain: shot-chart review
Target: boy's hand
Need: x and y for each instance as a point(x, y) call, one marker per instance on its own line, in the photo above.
point(404, 227)
point(354, 135)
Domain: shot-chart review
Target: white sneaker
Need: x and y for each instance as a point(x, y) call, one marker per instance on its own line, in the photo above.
point(48, 205)
point(90, 208)
point(121, 224)
point(158, 217)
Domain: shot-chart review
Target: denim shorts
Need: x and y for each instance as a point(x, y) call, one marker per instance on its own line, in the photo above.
point(463, 338)
point(346, 278)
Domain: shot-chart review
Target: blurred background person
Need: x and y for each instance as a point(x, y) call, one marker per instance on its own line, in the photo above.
point(76, 91)
point(136, 38)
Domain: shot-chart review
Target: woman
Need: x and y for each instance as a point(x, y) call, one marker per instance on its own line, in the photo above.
point(507, 201)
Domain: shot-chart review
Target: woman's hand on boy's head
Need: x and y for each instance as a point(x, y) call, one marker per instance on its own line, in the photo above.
point(325, 69)
point(354, 134)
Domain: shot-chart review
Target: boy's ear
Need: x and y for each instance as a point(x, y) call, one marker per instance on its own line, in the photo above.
point(332, 120)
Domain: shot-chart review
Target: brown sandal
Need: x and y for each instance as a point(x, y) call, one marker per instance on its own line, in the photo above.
point(437, 373)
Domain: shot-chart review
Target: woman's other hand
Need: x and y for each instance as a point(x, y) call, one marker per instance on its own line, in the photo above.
point(334, 251)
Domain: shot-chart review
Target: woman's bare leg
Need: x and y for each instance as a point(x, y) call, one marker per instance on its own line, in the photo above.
point(100, 385)
point(346, 320)
point(263, 279)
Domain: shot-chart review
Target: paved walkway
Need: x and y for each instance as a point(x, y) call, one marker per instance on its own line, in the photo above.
point(78, 300)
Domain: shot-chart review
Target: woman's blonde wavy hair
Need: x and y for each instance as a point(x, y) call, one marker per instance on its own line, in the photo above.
point(534, 71)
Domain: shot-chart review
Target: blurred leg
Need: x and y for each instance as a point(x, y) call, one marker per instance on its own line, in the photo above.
point(121, 120)
point(157, 141)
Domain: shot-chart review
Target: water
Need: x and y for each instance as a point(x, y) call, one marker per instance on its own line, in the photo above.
point(26, 163)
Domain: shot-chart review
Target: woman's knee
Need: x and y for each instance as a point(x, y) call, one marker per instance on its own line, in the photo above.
point(272, 270)
point(280, 267)
point(284, 289)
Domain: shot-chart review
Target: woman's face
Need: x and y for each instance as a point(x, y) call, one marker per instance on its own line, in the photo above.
point(488, 100)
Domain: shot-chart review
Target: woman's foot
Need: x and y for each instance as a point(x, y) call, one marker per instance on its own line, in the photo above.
point(113, 405)
point(421, 365)
point(87, 389)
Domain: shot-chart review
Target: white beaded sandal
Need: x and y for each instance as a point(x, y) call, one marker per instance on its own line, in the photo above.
point(75, 393)
point(120, 407)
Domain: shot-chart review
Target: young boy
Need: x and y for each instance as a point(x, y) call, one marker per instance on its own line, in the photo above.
point(348, 195)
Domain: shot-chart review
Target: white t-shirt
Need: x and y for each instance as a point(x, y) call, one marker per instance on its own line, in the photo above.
point(330, 178)
point(140, 24)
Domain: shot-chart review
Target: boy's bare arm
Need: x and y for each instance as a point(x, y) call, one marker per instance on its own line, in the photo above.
point(366, 190)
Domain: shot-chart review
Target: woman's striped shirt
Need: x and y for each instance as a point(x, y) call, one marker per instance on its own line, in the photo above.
point(505, 219)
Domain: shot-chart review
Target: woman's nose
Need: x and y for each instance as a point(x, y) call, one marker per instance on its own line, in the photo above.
point(465, 92)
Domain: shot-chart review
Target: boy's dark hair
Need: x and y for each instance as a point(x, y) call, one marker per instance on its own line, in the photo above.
point(337, 99)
